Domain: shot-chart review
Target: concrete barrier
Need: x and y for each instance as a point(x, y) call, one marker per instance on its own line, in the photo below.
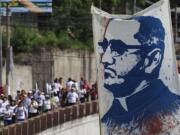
point(51, 119)
point(88, 125)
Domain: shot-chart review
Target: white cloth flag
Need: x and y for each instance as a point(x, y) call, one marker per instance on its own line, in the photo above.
point(137, 73)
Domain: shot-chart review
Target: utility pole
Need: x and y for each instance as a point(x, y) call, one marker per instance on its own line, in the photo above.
point(176, 23)
point(134, 7)
point(100, 4)
point(1, 56)
point(7, 48)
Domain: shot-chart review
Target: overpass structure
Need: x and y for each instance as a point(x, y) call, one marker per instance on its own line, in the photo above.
point(81, 119)
point(88, 125)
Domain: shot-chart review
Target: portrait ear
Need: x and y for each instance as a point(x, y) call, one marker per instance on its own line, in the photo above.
point(152, 61)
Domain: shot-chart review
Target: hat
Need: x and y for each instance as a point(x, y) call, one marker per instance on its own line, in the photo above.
point(30, 91)
point(73, 88)
point(47, 96)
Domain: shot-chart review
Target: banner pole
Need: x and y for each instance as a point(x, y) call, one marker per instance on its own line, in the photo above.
point(7, 46)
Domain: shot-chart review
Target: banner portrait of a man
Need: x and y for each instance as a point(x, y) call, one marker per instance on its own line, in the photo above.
point(134, 57)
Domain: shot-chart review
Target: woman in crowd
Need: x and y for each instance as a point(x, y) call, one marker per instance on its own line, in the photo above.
point(12, 108)
point(33, 108)
point(21, 112)
point(8, 113)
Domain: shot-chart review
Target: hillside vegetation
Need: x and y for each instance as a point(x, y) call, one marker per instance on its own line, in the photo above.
point(68, 27)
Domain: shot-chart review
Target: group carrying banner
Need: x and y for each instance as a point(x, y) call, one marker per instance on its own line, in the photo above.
point(137, 73)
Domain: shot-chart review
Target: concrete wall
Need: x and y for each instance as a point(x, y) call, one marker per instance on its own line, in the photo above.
point(84, 126)
point(75, 64)
point(21, 78)
point(66, 64)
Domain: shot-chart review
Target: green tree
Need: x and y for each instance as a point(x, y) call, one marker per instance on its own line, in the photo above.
point(73, 18)
point(118, 6)
point(70, 25)
point(24, 39)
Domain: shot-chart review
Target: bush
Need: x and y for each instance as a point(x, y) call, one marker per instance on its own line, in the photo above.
point(26, 40)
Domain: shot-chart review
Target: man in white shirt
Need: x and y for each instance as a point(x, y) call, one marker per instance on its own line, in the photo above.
point(81, 94)
point(72, 97)
point(69, 84)
point(47, 104)
point(57, 86)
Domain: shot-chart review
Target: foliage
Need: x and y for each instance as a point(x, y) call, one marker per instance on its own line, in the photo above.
point(27, 39)
point(74, 17)
point(69, 26)
point(23, 39)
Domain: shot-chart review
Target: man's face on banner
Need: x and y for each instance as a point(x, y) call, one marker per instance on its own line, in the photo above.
point(131, 53)
point(119, 61)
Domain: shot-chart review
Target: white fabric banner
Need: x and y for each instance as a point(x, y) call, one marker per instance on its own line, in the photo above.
point(137, 72)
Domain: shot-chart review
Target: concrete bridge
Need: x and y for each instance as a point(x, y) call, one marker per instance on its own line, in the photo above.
point(81, 119)
point(88, 125)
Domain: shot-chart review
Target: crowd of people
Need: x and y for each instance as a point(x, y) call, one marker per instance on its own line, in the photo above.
point(28, 104)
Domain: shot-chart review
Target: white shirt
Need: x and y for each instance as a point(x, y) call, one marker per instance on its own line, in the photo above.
point(2, 111)
point(4, 104)
point(1, 101)
point(8, 114)
point(81, 93)
point(48, 88)
point(40, 99)
point(56, 100)
point(33, 107)
point(57, 87)
point(20, 112)
point(26, 102)
point(76, 85)
point(72, 97)
point(12, 108)
point(69, 84)
point(47, 104)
